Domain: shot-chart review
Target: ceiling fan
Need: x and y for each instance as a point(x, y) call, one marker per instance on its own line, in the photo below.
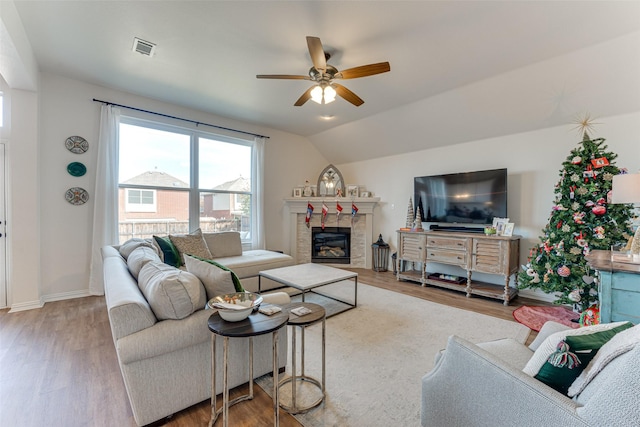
point(326, 89)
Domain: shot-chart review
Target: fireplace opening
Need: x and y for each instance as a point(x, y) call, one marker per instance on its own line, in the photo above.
point(331, 245)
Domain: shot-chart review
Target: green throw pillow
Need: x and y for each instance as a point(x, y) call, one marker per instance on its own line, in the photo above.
point(170, 252)
point(236, 280)
point(572, 356)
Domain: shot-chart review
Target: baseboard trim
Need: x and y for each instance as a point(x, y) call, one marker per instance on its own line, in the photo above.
point(23, 306)
point(66, 295)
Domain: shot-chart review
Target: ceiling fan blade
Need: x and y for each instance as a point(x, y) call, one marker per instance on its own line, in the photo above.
point(282, 76)
point(317, 53)
point(347, 94)
point(304, 98)
point(364, 71)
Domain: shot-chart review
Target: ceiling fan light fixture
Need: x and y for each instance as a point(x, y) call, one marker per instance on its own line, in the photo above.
point(317, 95)
point(323, 95)
point(329, 94)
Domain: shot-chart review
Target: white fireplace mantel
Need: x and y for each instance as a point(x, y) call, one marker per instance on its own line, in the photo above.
point(361, 227)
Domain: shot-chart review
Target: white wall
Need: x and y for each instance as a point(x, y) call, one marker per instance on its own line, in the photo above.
point(533, 159)
point(66, 108)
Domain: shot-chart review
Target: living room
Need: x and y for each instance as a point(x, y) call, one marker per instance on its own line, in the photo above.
point(386, 151)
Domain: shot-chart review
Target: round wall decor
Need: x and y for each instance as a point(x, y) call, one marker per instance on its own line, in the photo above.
point(76, 144)
point(76, 196)
point(76, 169)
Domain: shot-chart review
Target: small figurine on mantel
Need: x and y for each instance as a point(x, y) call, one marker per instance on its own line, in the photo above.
point(307, 189)
point(417, 224)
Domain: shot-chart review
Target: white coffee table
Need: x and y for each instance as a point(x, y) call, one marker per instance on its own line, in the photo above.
point(307, 277)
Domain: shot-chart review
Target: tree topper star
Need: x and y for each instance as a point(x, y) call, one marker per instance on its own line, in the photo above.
point(585, 124)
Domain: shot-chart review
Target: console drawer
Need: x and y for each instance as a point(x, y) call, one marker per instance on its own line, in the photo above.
point(454, 243)
point(447, 256)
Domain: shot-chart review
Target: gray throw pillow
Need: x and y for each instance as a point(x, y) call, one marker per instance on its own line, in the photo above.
point(171, 293)
point(139, 257)
point(216, 281)
point(132, 244)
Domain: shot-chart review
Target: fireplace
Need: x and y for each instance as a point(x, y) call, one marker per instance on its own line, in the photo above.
point(331, 245)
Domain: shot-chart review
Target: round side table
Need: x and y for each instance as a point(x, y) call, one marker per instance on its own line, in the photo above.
point(255, 324)
point(317, 314)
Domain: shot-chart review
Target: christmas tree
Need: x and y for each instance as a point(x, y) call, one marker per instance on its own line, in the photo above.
point(582, 219)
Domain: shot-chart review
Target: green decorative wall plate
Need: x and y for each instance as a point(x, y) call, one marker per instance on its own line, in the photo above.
point(76, 169)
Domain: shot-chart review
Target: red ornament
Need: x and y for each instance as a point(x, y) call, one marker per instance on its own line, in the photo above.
point(564, 271)
point(559, 225)
point(599, 210)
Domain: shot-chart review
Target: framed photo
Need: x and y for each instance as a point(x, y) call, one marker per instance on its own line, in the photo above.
point(297, 192)
point(499, 224)
point(365, 194)
point(508, 229)
point(353, 190)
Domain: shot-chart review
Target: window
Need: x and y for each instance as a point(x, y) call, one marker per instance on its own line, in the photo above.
point(140, 200)
point(173, 180)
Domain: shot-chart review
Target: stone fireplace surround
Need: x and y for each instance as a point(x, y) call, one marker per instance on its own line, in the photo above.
point(361, 229)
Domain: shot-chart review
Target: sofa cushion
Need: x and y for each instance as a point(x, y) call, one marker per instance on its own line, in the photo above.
point(619, 344)
point(511, 351)
point(139, 257)
point(216, 281)
point(132, 244)
point(550, 344)
point(192, 244)
point(170, 255)
point(253, 261)
point(234, 277)
point(171, 293)
point(223, 244)
point(572, 356)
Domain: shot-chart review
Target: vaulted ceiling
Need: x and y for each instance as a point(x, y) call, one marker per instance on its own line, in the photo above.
point(208, 54)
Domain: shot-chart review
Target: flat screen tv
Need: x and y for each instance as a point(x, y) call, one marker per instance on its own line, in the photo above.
point(462, 198)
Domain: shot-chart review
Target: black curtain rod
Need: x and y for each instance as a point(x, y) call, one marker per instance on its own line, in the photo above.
point(180, 118)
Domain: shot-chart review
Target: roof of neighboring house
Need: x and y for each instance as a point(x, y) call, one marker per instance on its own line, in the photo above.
point(156, 179)
point(238, 184)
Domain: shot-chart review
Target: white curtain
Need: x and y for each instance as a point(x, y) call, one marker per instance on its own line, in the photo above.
point(105, 214)
point(257, 221)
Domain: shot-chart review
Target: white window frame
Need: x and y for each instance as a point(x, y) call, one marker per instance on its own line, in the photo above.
point(194, 190)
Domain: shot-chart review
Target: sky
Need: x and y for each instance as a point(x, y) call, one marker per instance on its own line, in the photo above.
point(145, 149)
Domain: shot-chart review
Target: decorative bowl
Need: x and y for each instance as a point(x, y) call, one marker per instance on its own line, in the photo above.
point(236, 306)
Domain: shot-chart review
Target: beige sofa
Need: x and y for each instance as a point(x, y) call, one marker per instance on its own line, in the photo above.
point(166, 363)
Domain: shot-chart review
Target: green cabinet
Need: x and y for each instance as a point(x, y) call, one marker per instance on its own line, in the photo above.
point(619, 288)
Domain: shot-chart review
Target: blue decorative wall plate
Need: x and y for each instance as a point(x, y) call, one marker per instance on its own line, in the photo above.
point(76, 169)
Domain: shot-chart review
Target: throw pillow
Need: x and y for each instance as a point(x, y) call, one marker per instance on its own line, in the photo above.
point(549, 345)
point(216, 281)
point(619, 344)
point(171, 293)
point(224, 243)
point(170, 254)
point(138, 258)
point(192, 244)
point(236, 281)
point(132, 244)
point(572, 355)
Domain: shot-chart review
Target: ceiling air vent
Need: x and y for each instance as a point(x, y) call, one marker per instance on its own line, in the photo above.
point(143, 47)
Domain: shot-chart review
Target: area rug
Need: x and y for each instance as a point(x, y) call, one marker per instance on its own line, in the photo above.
point(377, 353)
point(534, 317)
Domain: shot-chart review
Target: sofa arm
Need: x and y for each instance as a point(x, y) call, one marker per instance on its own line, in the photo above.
point(469, 386)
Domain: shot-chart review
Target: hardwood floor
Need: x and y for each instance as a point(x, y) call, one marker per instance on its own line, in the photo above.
point(59, 366)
